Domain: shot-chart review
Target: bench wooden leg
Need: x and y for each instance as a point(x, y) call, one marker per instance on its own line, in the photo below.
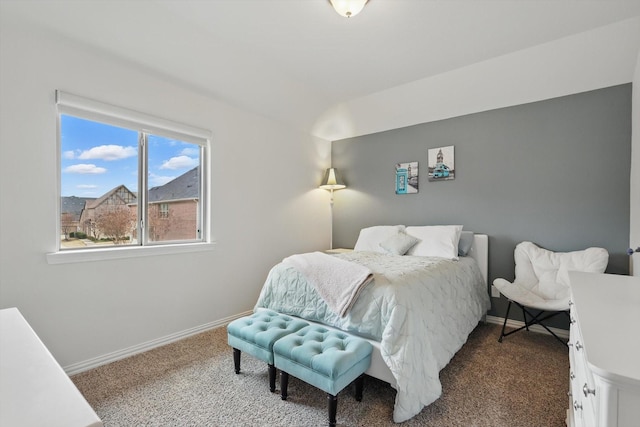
point(272, 378)
point(236, 360)
point(359, 387)
point(333, 408)
point(284, 384)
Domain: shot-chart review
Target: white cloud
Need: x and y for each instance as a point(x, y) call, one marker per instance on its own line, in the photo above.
point(179, 162)
point(68, 155)
point(190, 151)
point(108, 152)
point(86, 186)
point(158, 180)
point(85, 169)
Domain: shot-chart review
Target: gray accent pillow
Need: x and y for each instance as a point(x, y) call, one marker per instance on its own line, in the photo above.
point(398, 244)
point(465, 242)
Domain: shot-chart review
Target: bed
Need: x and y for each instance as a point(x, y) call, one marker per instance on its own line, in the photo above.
point(417, 311)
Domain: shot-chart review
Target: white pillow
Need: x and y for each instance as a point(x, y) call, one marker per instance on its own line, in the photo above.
point(436, 240)
point(398, 244)
point(371, 237)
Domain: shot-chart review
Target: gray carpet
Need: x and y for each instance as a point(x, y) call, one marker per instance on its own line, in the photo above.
point(521, 382)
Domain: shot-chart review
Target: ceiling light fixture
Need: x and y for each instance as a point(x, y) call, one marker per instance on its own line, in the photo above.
point(348, 8)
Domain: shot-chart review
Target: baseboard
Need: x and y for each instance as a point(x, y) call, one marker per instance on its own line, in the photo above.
point(86, 365)
point(562, 333)
point(76, 368)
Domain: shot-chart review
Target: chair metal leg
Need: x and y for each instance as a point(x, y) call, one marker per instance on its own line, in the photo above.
point(506, 316)
point(524, 316)
point(533, 320)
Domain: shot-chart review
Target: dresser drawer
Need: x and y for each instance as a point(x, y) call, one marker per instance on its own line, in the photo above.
point(583, 398)
point(604, 351)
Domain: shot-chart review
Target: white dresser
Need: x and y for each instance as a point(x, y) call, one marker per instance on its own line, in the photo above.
point(604, 351)
point(34, 390)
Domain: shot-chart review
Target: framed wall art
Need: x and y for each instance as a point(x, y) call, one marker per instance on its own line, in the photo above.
point(441, 163)
point(407, 178)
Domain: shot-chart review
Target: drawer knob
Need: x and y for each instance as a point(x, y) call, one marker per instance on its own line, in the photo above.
point(577, 405)
point(570, 303)
point(579, 346)
point(586, 390)
point(572, 321)
point(572, 375)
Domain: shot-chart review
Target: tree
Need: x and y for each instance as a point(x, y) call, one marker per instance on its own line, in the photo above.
point(159, 223)
point(116, 223)
point(67, 224)
point(92, 228)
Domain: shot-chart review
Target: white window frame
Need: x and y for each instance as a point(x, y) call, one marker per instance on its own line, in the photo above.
point(77, 106)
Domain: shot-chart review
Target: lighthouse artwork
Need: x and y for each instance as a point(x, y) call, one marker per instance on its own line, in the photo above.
point(441, 164)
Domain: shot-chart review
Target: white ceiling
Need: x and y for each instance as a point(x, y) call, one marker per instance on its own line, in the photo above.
point(291, 60)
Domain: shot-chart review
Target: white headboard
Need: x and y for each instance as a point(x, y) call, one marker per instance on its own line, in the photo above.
point(480, 252)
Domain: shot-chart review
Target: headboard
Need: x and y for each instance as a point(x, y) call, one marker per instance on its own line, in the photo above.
point(480, 252)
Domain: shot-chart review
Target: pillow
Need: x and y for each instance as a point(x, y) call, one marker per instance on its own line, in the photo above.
point(398, 244)
point(436, 240)
point(464, 245)
point(371, 237)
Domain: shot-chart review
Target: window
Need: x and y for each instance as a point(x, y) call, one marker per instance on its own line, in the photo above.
point(163, 211)
point(121, 175)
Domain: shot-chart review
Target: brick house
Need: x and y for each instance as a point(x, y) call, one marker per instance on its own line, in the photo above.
point(119, 196)
point(173, 209)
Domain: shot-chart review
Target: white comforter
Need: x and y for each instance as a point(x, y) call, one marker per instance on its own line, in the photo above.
point(421, 310)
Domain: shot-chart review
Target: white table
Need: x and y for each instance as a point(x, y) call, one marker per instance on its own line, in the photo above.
point(34, 389)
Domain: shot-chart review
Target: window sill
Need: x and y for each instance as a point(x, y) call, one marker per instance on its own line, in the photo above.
point(84, 255)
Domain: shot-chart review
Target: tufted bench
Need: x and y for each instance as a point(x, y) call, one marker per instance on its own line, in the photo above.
point(256, 335)
point(327, 359)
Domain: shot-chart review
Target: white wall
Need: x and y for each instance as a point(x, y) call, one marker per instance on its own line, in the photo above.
point(265, 206)
point(590, 60)
point(634, 228)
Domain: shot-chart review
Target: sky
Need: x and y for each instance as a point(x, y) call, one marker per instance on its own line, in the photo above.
point(96, 157)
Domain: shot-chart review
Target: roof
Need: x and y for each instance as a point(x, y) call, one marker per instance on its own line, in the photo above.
point(97, 202)
point(73, 205)
point(186, 186)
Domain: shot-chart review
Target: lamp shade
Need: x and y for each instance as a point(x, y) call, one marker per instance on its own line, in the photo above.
point(332, 180)
point(348, 8)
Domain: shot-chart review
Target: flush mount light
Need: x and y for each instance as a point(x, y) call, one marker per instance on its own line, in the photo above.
point(348, 8)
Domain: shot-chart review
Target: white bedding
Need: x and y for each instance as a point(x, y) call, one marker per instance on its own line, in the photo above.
point(421, 309)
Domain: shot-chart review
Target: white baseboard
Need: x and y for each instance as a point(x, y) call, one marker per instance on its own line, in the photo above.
point(562, 333)
point(76, 368)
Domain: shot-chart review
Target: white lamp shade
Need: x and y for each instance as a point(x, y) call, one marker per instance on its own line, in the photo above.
point(332, 180)
point(348, 8)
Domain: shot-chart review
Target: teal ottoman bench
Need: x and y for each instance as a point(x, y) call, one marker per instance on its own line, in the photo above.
point(327, 359)
point(256, 335)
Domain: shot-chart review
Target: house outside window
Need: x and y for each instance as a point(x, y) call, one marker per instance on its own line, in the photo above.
point(123, 172)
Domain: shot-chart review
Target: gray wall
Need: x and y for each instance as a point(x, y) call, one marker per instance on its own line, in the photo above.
point(554, 172)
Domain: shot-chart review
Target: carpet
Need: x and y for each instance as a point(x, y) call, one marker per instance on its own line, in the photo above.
point(520, 382)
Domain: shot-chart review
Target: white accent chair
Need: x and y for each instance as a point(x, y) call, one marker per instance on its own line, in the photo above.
point(542, 282)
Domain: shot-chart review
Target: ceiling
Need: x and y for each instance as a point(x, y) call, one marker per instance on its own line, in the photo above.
point(291, 60)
